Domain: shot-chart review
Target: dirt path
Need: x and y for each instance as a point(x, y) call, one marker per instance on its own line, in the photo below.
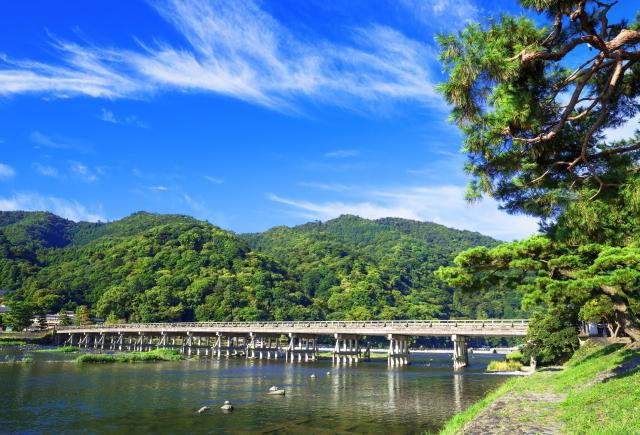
point(519, 413)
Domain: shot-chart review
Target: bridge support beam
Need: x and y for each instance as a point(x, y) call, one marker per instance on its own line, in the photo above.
point(460, 352)
point(398, 350)
point(263, 346)
point(347, 349)
point(301, 347)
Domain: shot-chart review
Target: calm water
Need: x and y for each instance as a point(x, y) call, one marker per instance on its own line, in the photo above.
point(54, 395)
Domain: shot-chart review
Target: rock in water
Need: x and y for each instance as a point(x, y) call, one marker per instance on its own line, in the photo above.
point(203, 410)
point(227, 407)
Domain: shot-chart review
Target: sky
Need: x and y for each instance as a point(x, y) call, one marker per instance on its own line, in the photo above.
point(246, 114)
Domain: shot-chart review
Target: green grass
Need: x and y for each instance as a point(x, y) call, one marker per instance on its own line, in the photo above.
point(128, 357)
point(10, 342)
point(14, 360)
point(63, 349)
point(504, 366)
point(455, 425)
point(514, 356)
point(601, 398)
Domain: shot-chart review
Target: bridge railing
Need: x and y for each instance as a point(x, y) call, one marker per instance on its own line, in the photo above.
point(351, 324)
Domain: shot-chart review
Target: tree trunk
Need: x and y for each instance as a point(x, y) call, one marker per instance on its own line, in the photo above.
point(625, 317)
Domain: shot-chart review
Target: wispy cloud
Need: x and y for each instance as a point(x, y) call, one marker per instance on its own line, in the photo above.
point(239, 50)
point(45, 170)
point(441, 204)
point(109, 116)
point(83, 172)
point(213, 180)
point(341, 154)
point(332, 187)
point(159, 188)
point(443, 13)
point(66, 208)
point(58, 142)
point(6, 171)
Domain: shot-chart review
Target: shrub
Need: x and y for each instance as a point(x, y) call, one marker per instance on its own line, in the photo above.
point(504, 366)
point(515, 356)
point(154, 355)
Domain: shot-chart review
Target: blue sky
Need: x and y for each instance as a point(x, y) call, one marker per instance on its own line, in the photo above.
point(246, 114)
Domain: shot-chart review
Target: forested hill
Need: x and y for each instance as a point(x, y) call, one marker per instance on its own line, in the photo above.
point(150, 267)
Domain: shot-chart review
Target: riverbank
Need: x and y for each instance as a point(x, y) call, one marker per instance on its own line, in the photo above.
point(597, 391)
point(128, 357)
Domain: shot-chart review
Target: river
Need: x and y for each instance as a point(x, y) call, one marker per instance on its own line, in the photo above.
point(55, 395)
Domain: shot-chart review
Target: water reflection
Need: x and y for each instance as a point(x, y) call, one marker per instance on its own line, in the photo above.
point(51, 395)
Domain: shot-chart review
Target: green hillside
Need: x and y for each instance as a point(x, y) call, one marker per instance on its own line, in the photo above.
point(150, 267)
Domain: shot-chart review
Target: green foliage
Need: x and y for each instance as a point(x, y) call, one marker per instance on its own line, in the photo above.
point(516, 355)
point(63, 349)
point(129, 357)
point(357, 269)
point(63, 318)
point(592, 405)
point(534, 108)
point(20, 316)
point(504, 366)
point(152, 268)
point(10, 342)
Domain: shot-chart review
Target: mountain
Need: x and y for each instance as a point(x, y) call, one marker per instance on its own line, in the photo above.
point(149, 267)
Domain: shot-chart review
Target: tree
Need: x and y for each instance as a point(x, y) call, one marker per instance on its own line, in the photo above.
point(82, 316)
point(20, 315)
point(63, 318)
point(534, 129)
point(42, 320)
point(533, 125)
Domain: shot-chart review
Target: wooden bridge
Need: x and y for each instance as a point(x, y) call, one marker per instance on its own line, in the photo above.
point(291, 340)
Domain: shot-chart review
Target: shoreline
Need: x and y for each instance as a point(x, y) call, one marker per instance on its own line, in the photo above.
point(554, 400)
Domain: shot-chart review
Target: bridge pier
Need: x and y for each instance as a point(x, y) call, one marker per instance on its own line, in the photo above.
point(262, 346)
point(347, 349)
point(301, 347)
point(398, 350)
point(460, 352)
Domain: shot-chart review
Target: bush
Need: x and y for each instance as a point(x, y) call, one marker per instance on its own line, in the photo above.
point(504, 366)
point(515, 356)
point(9, 342)
point(152, 356)
point(63, 349)
point(95, 358)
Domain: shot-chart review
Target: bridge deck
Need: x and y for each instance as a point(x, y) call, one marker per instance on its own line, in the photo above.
point(427, 328)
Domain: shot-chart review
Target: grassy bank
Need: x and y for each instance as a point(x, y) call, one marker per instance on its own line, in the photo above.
point(504, 366)
point(63, 349)
point(597, 392)
point(128, 357)
point(11, 342)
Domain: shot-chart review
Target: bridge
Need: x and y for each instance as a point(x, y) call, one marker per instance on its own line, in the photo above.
point(288, 339)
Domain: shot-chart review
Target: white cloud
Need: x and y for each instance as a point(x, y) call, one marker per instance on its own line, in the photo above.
point(625, 131)
point(332, 187)
point(441, 204)
point(339, 154)
point(236, 49)
point(66, 208)
point(83, 172)
point(213, 180)
point(57, 142)
point(108, 116)
point(159, 188)
point(443, 13)
point(45, 170)
point(6, 171)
